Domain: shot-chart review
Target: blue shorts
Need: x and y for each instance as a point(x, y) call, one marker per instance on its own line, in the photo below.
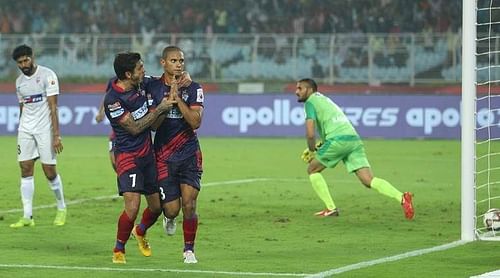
point(187, 171)
point(136, 173)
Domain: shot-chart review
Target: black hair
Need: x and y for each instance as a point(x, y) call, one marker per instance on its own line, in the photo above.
point(125, 61)
point(168, 49)
point(311, 83)
point(22, 50)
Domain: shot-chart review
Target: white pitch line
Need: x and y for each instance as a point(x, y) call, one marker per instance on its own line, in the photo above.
point(79, 201)
point(316, 275)
point(387, 259)
point(60, 267)
point(492, 274)
point(74, 202)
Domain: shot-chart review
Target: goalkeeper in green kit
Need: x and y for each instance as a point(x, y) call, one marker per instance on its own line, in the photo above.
point(339, 141)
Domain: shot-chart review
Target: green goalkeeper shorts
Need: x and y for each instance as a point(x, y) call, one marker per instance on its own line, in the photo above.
point(350, 150)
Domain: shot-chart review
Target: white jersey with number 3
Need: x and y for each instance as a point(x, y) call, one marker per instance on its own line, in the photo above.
point(32, 92)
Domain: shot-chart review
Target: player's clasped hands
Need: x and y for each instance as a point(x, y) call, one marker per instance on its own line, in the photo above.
point(171, 99)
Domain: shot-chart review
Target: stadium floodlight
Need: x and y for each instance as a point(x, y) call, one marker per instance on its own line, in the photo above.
point(480, 119)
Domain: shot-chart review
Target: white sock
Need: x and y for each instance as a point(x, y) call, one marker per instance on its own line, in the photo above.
point(27, 191)
point(57, 187)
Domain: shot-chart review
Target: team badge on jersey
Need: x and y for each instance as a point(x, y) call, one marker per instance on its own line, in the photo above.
point(184, 95)
point(199, 95)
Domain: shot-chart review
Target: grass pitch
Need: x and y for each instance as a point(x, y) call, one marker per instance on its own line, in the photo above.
point(256, 216)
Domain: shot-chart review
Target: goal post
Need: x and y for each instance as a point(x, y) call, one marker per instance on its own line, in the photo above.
point(480, 108)
point(468, 108)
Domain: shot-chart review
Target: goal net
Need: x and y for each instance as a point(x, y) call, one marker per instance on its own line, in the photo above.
point(486, 126)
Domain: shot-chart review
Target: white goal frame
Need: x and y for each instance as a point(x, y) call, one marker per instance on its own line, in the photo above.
point(468, 111)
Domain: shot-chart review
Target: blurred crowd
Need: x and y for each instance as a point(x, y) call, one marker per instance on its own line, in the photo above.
point(229, 16)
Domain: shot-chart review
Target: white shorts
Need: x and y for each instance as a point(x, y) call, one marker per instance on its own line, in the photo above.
point(31, 146)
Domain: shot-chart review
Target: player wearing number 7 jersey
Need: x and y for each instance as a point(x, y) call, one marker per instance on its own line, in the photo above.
point(130, 113)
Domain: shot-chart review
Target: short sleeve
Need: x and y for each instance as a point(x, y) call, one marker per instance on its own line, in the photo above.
point(196, 97)
point(310, 112)
point(52, 84)
point(113, 108)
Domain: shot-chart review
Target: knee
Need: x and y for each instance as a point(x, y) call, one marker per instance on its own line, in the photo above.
point(171, 211)
point(188, 208)
point(155, 209)
point(132, 214)
point(50, 172)
point(26, 171)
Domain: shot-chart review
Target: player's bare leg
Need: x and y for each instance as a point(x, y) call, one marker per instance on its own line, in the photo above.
point(171, 211)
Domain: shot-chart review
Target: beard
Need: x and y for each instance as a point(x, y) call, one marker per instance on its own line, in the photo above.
point(27, 70)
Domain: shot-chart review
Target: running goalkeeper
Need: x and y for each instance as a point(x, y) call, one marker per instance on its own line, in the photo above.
point(339, 142)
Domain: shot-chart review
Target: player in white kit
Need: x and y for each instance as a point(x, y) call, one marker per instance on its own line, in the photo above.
point(38, 134)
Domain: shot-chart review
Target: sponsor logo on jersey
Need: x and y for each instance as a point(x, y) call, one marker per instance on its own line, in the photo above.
point(174, 113)
point(117, 113)
point(199, 95)
point(115, 106)
point(33, 98)
point(139, 113)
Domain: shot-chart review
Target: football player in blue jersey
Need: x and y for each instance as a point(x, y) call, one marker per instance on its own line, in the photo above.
point(177, 149)
point(130, 113)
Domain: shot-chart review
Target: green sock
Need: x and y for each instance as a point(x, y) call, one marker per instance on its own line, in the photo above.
point(386, 188)
point(319, 185)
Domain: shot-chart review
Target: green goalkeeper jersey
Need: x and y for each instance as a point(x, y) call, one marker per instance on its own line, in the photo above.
point(330, 120)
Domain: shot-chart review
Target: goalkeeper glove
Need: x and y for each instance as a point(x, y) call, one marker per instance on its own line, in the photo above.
point(318, 145)
point(307, 155)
